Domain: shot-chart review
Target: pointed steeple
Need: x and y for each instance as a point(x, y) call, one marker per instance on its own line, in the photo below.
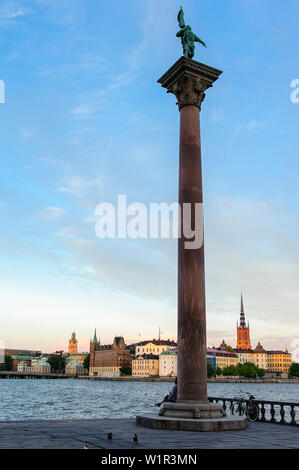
point(242, 314)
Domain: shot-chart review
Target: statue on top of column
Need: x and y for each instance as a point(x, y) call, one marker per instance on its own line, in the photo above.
point(187, 36)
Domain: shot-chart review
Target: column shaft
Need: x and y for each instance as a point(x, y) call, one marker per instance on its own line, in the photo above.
point(192, 368)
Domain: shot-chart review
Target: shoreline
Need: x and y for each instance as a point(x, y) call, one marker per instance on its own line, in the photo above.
point(18, 375)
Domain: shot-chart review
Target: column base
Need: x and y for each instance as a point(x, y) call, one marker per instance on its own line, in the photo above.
point(192, 410)
point(227, 423)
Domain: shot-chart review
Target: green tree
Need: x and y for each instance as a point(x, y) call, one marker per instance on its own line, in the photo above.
point(86, 362)
point(294, 370)
point(57, 363)
point(125, 370)
point(229, 371)
point(210, 370)
point(7, 365)
point(261, 373)
point(248, 370)
point(218, 371)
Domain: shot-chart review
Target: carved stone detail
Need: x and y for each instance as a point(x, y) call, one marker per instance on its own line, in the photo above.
point(188, 80)
point(189, 91)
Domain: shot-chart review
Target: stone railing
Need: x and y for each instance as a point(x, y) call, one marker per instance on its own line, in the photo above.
point(277, 412)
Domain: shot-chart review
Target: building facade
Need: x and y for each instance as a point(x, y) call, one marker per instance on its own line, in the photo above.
point(74, 368)
point(279, 361)
point(107, 360)
point(146, 365)
point(222, 358)
point(168, 363)
point(244, 355)
point(80, 357)
point(155, 346)
point(260, 357)
point(22, 352)
point(42, 367)
point(16, 360)
point(23, 367)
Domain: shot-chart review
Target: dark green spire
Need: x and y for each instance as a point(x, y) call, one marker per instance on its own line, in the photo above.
point(95, 340)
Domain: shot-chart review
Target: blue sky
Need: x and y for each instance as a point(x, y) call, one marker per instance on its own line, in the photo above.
point(85, 120)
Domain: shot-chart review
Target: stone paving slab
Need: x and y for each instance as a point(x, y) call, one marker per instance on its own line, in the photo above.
point(75, 434)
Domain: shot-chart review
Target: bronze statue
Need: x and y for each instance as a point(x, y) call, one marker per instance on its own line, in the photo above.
point(187, 36)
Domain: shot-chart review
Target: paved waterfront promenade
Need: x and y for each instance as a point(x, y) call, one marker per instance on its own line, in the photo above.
point(75, 434)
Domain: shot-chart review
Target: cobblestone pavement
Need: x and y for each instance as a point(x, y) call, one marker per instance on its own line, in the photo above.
point(75, 434)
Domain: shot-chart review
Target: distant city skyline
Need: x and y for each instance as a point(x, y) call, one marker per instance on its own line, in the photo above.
point(84, 120)
point(229, 337)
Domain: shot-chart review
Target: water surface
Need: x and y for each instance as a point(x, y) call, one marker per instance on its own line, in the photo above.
point(29, 399)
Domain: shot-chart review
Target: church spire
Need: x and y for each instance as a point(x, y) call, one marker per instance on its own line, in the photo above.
point(243, 333)
point(242, 314)
point(95, 340)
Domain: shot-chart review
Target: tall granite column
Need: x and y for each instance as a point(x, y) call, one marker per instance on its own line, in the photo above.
point(189, 80)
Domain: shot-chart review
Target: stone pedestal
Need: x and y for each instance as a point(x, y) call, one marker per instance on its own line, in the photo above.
point(192, 410)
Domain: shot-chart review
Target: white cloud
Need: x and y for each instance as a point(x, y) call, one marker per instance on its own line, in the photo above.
point(11, 10)
point(49, 213)
point(121, 80)
point(66, 232)
point(217, 115)
point(76, 185)
point(83, 110)
point(27, 133)
point(248, 128)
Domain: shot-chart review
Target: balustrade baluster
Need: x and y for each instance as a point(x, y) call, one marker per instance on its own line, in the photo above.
point(293, 415)
point(263, 412)
point(282, 414)
point(272, 411)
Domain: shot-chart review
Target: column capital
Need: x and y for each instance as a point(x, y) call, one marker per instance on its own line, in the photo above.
point(188, 80)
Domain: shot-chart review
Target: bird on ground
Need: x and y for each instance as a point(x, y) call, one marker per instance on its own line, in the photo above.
point(135, 438)
point(109, 437)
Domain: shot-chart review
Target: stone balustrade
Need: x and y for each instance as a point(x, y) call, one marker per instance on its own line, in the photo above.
point(277, 412)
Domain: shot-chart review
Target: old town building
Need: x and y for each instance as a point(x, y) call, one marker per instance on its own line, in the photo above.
point(16, 360)
point(222, 358)
point(23, 367)
point(107, 360)
point(154, 346)
point(244, 355)
point(146, 365)
point(168, 363)
point(279, 361)
point(260, 357)
point(74, 368)
point(42, 367)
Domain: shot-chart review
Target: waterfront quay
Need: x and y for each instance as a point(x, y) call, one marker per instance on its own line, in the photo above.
point(32, 375)
point(92, 433)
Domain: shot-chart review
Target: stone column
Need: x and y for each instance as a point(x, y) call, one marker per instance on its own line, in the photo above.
point(188, 80)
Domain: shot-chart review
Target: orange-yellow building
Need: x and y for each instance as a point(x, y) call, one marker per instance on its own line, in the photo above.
point(279, 361)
